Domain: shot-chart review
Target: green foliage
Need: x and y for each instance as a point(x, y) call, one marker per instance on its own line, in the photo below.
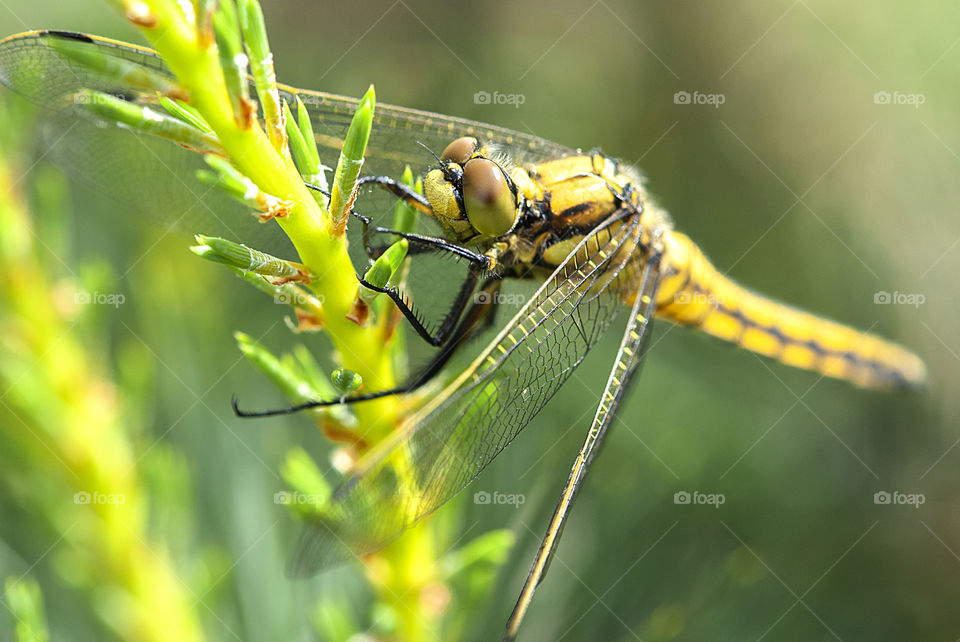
point(351, 160)
point(25, 601)
point(67, 459)
point(799, 476)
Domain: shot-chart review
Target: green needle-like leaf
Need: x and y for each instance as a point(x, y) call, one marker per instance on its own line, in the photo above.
point(351, 160)
point(146, 120)
point(205, 11)
point(290, 382)
point(404, 214)
point(264, 74)
point(303, 147)
point(226, 178)
point(299, 147)
point(186, 113)
point(245, 258)
point(383, 269)
point(306, 130)
point(234, 61)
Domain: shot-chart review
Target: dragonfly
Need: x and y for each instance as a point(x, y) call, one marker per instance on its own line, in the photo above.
point(580, 225)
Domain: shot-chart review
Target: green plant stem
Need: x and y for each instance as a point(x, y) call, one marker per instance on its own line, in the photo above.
point(308, 227)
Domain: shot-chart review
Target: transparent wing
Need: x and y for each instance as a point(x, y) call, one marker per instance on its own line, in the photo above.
point(450, 441)
point(630, 356)
point(158, 177)
point(146, 178)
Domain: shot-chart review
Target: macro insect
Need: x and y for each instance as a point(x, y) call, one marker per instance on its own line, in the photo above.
point(513, 207)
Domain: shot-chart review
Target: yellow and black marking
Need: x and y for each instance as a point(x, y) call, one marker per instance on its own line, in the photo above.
point(560, 202)
point(694, 293)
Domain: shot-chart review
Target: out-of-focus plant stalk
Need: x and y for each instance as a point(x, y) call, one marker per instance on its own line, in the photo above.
point(65, 450)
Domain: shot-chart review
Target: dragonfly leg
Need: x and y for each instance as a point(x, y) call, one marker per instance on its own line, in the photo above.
point(448, 323)
point(404, 192)
point(419, 244)
point(401, 191)
point(477, 318)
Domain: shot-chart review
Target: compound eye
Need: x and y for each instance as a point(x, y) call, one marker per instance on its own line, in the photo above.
point(491, 206)
point(460, 150)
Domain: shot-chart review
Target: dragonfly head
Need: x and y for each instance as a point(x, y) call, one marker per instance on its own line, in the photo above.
point(470, 193)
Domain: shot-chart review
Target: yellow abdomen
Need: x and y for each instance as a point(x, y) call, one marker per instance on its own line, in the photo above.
point(692, 292)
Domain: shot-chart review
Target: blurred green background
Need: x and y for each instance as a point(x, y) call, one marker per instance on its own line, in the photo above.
point(800, 184)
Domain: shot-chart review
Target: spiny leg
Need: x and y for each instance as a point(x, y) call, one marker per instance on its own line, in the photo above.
point(404, 192)
point(420, 243)
point(477, 318)
point(449, 320)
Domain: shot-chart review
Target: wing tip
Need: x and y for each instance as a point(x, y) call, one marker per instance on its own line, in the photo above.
point(68, 35)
